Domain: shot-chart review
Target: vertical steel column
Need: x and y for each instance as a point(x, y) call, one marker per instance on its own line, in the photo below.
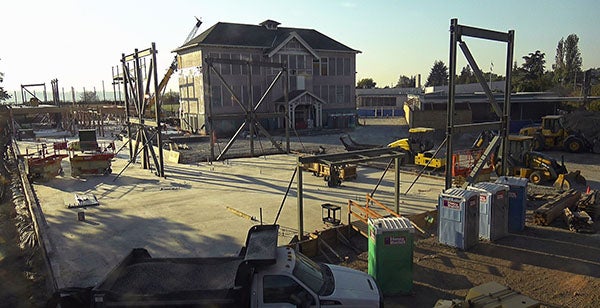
point(157, 108)
point(507, 91)
point(299, 199)
point(140, 105)
point(251, 119)
point(397, 184)
point(450, 107)
point(287, 107)
point(208, 108)
point(127, 111)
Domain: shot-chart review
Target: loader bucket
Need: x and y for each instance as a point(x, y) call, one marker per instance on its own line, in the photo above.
point(571, 180)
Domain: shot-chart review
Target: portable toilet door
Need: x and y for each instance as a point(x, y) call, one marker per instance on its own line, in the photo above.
point(458, 211)
point(517, 201)
point(493, 210)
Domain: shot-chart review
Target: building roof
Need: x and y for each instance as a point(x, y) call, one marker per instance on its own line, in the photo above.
point(261, 36)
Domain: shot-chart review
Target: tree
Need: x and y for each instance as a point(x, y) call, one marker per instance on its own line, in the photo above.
point(559, 62)
point(89, 96)
point(3, 94)
point(406, 82)
point(532, 75)
point(534, 65)
point(466, 76)
point(438, 75)
point(366, 83)
point(573, 59)
point(568, 60)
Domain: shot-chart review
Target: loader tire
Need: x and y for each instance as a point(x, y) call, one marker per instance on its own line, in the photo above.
point(574, 145)
point(535, 177)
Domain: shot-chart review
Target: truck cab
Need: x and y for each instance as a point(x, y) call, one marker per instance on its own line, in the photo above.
point(296, 281)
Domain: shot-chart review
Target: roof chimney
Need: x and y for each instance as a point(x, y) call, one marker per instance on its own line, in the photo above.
point(270, 24)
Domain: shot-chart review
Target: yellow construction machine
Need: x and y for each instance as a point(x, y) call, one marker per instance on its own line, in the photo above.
point(536, 166)
point(418, 145)
point(554, 134)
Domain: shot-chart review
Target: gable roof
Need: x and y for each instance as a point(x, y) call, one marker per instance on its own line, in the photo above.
point(241, 35)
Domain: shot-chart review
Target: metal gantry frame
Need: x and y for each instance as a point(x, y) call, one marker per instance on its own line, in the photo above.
point(339, 159)
point(25, 90)
point(250, 114)
point(457, 32)
point(139, 87)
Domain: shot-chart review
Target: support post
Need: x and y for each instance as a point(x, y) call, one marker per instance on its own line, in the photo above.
point(450, 107)
point(507, 91)
point(397, 184)
point(299, 199)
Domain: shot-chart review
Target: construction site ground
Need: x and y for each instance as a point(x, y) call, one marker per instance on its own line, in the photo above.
point(205, 209)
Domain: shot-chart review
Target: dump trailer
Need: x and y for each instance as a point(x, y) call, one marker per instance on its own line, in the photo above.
point(262, 275)
point(345, 172)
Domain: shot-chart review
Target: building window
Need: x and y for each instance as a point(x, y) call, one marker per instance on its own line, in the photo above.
point(255, 68)
point(236, 69)
point(332, 94)
point(292, 65)
point(216, 98)
point(347, 95)
point(256, 94)
point(339, 66)
point(324, 67)
point(225, 68)
point(339, 94)
point(325, 92)
point(300, 59)
point(347, 71)
point(316, 66)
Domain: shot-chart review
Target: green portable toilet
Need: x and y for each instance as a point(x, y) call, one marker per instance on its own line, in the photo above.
point(391, 254)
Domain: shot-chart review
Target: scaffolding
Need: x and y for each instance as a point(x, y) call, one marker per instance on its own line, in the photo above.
point(140, 84)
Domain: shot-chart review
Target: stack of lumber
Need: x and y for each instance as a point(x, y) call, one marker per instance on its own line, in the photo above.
point(552, 209)
point(579, 221)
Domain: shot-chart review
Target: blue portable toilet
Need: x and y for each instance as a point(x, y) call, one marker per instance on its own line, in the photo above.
point(493, 210)
point(517, 201)
point(458, 216)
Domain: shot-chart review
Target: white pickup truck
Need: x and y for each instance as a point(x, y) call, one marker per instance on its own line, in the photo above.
point(263, 275)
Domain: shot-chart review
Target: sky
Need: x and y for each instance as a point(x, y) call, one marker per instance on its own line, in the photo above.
point(79, 42)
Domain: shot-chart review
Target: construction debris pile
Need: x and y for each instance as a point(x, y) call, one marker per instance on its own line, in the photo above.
point(578, 210)
point(581, 218)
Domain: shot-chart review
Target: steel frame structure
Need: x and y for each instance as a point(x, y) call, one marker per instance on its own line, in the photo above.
point(139, 86)
point(457, 32)
point(24, 89)
point(250, 114)
point(339, 159)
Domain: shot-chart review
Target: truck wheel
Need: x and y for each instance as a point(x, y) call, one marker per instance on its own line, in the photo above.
point(535, 177)
point(574, 145)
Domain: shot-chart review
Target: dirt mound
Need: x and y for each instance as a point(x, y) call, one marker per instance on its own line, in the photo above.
point(585, 122)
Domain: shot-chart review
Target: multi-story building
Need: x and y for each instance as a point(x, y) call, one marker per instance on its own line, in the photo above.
point(321, 77)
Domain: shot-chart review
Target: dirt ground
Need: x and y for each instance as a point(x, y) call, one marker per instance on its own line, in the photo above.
point(550, 264)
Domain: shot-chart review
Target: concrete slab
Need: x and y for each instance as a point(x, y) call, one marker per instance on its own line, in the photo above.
point(186, 215)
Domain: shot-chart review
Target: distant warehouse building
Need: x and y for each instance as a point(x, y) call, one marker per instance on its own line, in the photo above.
point(321, 78)
point(385, 102)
